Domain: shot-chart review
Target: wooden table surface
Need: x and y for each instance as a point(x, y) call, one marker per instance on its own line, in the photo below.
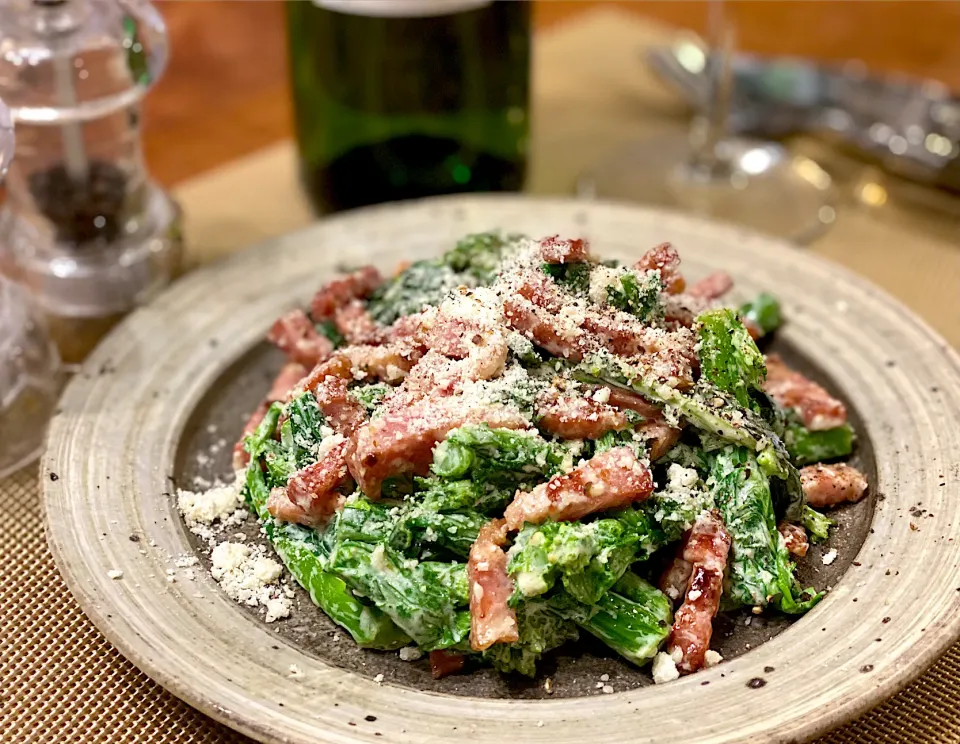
point(225, 91)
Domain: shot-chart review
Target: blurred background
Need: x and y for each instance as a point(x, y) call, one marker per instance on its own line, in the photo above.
point(226, 90)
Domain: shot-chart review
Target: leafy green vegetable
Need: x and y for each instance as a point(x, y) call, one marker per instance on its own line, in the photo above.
point(807, 446)
point(573, 277)
point(523, 349)
point(304, 552)
point(729, 358)
point(676, 507)
point(589, 558)
point(634, 619)
point(280, 465)
point(422, 284)
point(626, 438)
point(423, 598)
point(817, 524)
point(371, 396)
point(637, 293)
point(479, 256)
point(759, 571)
point(329, 329)
point(306, 427)
point(763, 312)
point(454, 531)
point(541, 629)
point(498, 456)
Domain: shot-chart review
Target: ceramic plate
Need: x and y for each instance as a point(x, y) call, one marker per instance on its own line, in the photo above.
point(150, 407)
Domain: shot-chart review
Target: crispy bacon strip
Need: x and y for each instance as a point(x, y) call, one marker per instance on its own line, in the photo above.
point(665, 258)
point(816, 407)
point(312, 494)
point(444, 662)
point(402, 440)
point(673, 581)
point(557, 250)
point(356, 325)
point(609, 480)
point(296, 337)
point(355, 286)
point(711, 287)
point(706, 550)
point(492, 620)
point(829, 485)
point(343, 413)
point(634, 402)
point(289, 376)
point(537, 325)
point(794, 538)
point(539, 311)
point(660, 437)
point(659, 434)
point(577, 416)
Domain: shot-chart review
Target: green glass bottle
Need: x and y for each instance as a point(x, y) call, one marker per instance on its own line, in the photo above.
point(400, 99)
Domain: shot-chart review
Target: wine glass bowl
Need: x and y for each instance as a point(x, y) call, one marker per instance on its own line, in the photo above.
point(707, 172)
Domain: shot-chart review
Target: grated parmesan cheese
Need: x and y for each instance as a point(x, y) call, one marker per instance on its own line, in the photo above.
point(712, 658)
point(664, 668)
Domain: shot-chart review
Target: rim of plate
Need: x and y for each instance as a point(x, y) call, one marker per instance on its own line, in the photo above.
point(113, 441)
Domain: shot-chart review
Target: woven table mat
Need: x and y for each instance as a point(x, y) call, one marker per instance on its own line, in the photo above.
point(61, 681)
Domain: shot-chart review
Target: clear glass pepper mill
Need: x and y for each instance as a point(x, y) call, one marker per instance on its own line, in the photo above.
point(83, 227)
point(29, 374)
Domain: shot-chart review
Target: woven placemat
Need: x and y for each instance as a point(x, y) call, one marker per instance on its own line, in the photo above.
point(61, 681)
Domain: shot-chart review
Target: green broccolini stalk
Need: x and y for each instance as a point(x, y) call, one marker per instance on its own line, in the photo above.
point(807, 446)
point(759, 571)
point(729, 358)
point(541, 629)
point(763, 312)
point(634, 618)
point(817, 524)
point(304, 552)
point(423, 598)
point(710, 409)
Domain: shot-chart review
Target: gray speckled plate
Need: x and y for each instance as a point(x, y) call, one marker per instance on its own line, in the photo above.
point(181, 374)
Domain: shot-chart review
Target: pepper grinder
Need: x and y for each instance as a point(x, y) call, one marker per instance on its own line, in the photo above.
point(29, 365)
point(84, 227)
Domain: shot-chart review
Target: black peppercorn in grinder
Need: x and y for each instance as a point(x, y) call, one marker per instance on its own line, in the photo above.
point(83, 227)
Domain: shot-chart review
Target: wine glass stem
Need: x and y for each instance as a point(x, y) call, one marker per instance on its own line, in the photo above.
point(720, 40)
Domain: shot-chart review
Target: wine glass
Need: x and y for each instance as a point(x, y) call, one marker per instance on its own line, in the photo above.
point(707, 172)
point(29, 363)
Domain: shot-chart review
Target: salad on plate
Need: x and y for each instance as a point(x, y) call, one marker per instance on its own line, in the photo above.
point(492, 453)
